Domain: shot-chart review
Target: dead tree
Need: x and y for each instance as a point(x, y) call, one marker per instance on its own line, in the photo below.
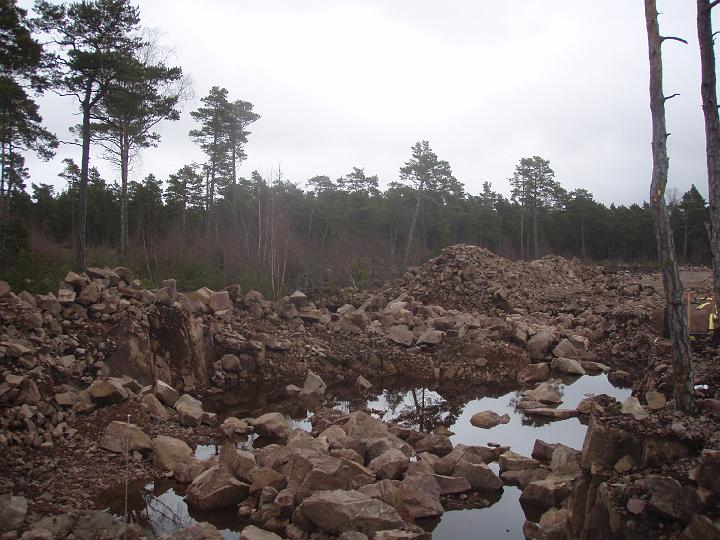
point(674, 297)
point(712, 130)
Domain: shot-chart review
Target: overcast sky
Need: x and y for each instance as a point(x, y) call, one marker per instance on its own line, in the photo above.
point(357, 83)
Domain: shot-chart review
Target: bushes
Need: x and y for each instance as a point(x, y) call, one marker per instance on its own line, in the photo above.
point(35, 272)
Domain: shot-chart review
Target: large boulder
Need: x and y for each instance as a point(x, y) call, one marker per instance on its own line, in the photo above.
point(310, 472)
point(153, 406)
point(539, 344)
point(510, 461)
point(220, 301)
point(435, 443)
point(107, 392)
point(121, 436)
point(545, 392)
point(565, 349)
point(166, 393)
point(569, 366)
point(477, 473)
point(190, 411)
point(169, 451)
point(314, 385)
point(534, 373)
point(272, 425)
point(488, 419)
point(216, 488)
point(339, 511)
point(421, 494)
point(390, 464)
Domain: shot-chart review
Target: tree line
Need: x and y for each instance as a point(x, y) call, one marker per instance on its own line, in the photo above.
point(207, 225)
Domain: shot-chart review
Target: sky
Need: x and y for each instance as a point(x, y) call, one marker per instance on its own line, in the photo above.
point(342, 84)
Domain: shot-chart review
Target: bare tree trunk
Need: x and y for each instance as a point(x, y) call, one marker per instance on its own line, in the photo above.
point(81, 239)
point(676, 311)
point(124, 165)
point(582, 236)
point(522, 232)
point(712, 131)
point(413, 224)
point(535, 237)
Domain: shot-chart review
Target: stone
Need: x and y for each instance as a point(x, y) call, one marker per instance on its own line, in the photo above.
point(165, 393)
point(421, 495)
point(569, 366)
point(565, 349)
point(264, 477)
point(89, 295)
point(635, 506)
point(362, 383)
point(439, 445)
point(189, 410)
point(186, 472)
point(240, 463)
point(66, 399)
point(534, 373)
point(620, 378)
point(451, 485)
point(510, 461)
point(12, 511)
point(488, 419)
point(708, 472)
point(552, 524)
point(272, 425)
point(251, 532)
point(215, 489)
point(339, 511)
point(5, 289)
point(624, 464)
point(478, 474)
point(298, 299)
point(230, 363)
point(655, 400)
point(551, 491)
point(401, 335)
point(701, 528)
point(153, 406)
point(107, 392)
point(29, 393)
point(632, 407)
point(670, 498)
point(121, 436)
point(220, 301)
point(169, 451)
point(545, 392)
point(431, 337)
point(539, 344)
point(234, 426)
point(199, 531)
point(313, 473)
point(313, 386)
point(549, 412)
point(390, 464)
point(387, 491)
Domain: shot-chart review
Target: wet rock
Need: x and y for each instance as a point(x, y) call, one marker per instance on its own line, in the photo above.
point(439, 445)
point(510, 461)
point(570, 366)
point(477, 473)
point(534, 373)
point(120, 436)
point(451, 485)
point(390, 464)
point(166, 393)
point(488, 419)
point(251, 532)
point(12, 512)
point(169, 451)
point(216, 488)
point(314, 385)
point(670, 498)
point(620, 378)
point(199, 531)
point(551, 491)
point(272, 425)
point(398, 534)
point(545, 392)
point(339, 511)
point(421, 495)
point(153, 406)
point(523, 478)
point(231, 363)
point(107, 392)
point(552, 524)
point(548, 412)
point(594, 367)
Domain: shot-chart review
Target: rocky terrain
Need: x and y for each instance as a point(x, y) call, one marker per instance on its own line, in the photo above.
point(103, 376)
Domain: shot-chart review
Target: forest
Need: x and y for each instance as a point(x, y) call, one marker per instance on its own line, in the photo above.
point(208, 226)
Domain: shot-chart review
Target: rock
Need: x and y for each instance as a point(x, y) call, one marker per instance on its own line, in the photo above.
point(708, 473)
point(655, 400)
point(451, 485)
point(439, 445)
point(168, 452)
point(534, 373)
point(570, 366)
point(230, 363)
point(216, 488)
point(624, 464)
point(220, 301)
point(632, 407)
point(251, 532)
point(488, 419)
point(240, 463)
point(199, 531)
point(272, 425)
point(120, 436)
point(565, 349)
point(312, 472)
point(430, 337)
point(107, 392)
point(186, 472)
point(89, 295)
point(339, 511)
point(552, 524)
point(234, 426)
point(12, 509)
point(314, 385)
point(153, 406)
point(5, 289)
point(620, 378)
point(421, 495)
point(539, 344)
point(190, 411)
point(635, 506)
point(29, 393)
point(543, 451)
point(292, 390)
point(390, 464)
point(264, 477)
point(401, 335)
point(480, 476)
point(387, 491)
point(165, 393)
point(670, 498)
point(545, 392)
point(298, 299)
point(362, 383)
point(549, 412)
point(548, 492)
point(701, 528)
point(510, 461)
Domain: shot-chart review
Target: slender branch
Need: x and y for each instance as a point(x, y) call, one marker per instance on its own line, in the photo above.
point(714, 3)
point(71, 142)
point(671, 96)
point(673, 38)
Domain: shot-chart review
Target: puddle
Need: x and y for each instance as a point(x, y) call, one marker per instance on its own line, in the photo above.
point(159, 507)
